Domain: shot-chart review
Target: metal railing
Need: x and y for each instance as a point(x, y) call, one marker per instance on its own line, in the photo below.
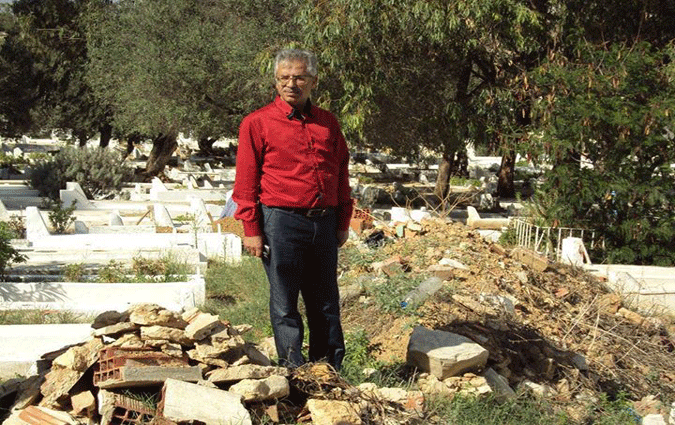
point(548, 240)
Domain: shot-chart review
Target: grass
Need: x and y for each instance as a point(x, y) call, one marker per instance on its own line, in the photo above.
point(142, 270)
point(240, 295)
point(41, 317)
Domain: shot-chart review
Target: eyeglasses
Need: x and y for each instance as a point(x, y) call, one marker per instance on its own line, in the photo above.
point(300, 80)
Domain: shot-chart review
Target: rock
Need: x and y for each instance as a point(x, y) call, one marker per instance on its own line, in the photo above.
point(500, 385)
point(452, 263)
point(530, 258)
point(249, 371)
point(631, 316)
point(116, 329)
point(334, 412)
point(79, 358)
point(537, 389)
point(165, 333)
point(654, 419)
point(430, 384)
point(109, 318)
point(84, 404)
point(444, 354)
point(201, 325)
point(184, 401)
point(391, 266)
point(155, 315)
point(271, 388)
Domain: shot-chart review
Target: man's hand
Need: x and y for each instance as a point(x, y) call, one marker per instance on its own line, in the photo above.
point(342, 236)
point(254, 245)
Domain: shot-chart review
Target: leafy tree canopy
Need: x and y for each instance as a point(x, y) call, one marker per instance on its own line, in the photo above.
point(170, 66)
point(612, 108)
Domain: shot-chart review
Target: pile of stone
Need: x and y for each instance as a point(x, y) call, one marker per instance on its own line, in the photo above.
point(150, 365)
point(200, 367)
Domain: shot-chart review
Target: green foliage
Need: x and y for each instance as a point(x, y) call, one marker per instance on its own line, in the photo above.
point(388, 295)
point(113, 272)
point(98, 171)
point(411, 74)
point(74, 272)
point(470, 410)
point(8, 254)
point(164, 269)
point(61, 217)
point(40, 317)
point(509, 237)
point(18, 85)
point(240, 294)
point(186, 66)
point(51, 31)
point(613, 106)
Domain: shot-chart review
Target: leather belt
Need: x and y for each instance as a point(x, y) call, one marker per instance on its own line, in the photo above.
point(309, 212)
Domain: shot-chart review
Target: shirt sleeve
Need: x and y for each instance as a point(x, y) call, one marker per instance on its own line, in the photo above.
point(345, 202)
point(247, 178)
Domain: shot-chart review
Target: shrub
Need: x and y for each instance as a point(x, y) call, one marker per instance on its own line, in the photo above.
point(61, 218)
point(8, 254)
point(98, 171)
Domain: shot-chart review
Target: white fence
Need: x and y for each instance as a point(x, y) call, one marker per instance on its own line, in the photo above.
point(548, 240)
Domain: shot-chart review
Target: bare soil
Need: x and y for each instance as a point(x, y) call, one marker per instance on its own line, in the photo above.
point(565, 328)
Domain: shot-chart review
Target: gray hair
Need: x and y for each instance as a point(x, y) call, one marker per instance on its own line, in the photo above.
point(305, 56)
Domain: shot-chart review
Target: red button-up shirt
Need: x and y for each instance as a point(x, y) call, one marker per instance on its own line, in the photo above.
point(297, 162)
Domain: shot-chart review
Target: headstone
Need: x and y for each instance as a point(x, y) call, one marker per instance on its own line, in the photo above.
point(198, 208)
point(230, 206)
point(4, 215)
point(115, 219)
point(74, 193)
point(36, 228)
point(574, 252)
point(156, 187)
point(80, 227)
point(400, 214)
point(161, 216)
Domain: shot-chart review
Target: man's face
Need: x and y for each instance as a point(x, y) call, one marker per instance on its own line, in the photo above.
point(293, 82)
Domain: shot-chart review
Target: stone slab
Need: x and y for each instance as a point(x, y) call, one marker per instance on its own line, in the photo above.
point(96, 298)
point(22, 345)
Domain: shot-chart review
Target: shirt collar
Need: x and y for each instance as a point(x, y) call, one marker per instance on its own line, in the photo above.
point(292, 112)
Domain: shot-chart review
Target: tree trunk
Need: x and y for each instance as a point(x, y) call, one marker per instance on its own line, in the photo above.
point(163, 147)
point(454, 163)
point(132, 140)
point(443, 179)
point(505, 186)
point(206, 145)
point(106, 135)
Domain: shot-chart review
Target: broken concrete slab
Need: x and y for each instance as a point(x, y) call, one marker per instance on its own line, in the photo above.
point(183, 401)
point(143, 376)
point(444, 354)
point(249, 371)
point(500, 385)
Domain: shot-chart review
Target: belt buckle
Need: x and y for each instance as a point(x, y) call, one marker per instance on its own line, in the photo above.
point(316, 212)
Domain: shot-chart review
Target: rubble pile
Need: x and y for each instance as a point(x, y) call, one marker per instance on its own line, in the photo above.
point(546, 328)
point(150, 365)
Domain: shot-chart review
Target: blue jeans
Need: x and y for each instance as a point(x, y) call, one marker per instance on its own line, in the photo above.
point(302, 259)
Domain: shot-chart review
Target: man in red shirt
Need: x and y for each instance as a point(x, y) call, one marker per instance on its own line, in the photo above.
point(293, 196)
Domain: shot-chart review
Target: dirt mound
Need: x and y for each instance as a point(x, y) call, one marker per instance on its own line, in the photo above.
point(558, 326)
